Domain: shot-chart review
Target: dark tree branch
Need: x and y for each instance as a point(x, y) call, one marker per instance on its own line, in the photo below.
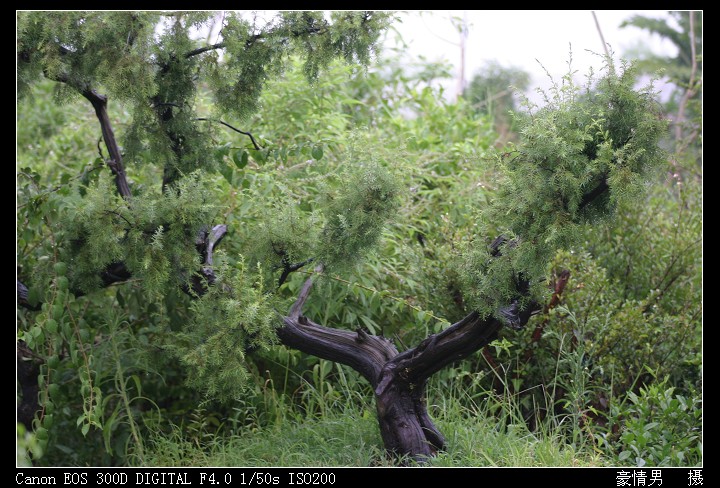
point(252, 139)
point(99, 103)
point(204, 49)
point(289, 268)
point(588, 198)
point(119, 215)
point(216, 235)
point(205, 244)
point(250, 41)
point(102, 156)
point(439, 350)
point(363, 352)
point(22, 297)
point(165, 114)
point(115, 273)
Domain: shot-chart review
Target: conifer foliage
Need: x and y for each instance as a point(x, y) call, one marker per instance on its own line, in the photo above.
point(580, 154)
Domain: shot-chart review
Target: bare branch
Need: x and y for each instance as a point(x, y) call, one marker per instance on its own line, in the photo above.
point(602, 38)
point(252, 139)
point(206, 243)
point(303, 295)
point(363, 352)
point(289, 268)
point(99, 103)
point(115, 163)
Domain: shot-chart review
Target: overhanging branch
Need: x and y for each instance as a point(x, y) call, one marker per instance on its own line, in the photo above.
point(252, 139)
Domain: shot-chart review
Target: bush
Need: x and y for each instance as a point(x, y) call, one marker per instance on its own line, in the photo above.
point(660, 428)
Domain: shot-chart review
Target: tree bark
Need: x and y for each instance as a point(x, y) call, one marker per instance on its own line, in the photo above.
point(398, 379)
point(28, 368)
point(99, 103)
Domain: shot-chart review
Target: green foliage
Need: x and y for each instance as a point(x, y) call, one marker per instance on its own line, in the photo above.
point(356, 216)
point(582, 154)
point(252, 57)
point(631, 311)
point(27, 447)
point(661, 428)
point(156, 75)
point(227, 322)
point(683, 29)
point(347, 435)
point(370, 171)
point(653, 258)
point(152, 236)
point(56, 44)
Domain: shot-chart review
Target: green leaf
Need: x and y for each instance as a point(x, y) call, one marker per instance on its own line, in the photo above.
point(51, 326)
point(259, 156)
point(53, 361)
point(240, 158)
point(60, 268)
point(227, 173)
point(41, 433)
point(62, 283)
point(58, 311)
point(317, 152)
point(33, 296)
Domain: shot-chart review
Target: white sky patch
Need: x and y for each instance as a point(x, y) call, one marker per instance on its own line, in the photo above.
point(521, 38)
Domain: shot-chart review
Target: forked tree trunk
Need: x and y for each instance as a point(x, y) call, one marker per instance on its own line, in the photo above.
point(398, 379)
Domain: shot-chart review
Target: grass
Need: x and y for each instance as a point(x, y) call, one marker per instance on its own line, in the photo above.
point(350, 437)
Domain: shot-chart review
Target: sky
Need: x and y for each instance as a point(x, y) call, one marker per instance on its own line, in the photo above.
point(525, 38)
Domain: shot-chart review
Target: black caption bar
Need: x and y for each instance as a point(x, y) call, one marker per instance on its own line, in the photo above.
point(332, 477)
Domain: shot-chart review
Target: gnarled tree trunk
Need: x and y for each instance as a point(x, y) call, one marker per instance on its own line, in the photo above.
point(398, 379)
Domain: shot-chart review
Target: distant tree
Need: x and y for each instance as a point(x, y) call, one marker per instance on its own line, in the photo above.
point(684, 30)
point(492, 90)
